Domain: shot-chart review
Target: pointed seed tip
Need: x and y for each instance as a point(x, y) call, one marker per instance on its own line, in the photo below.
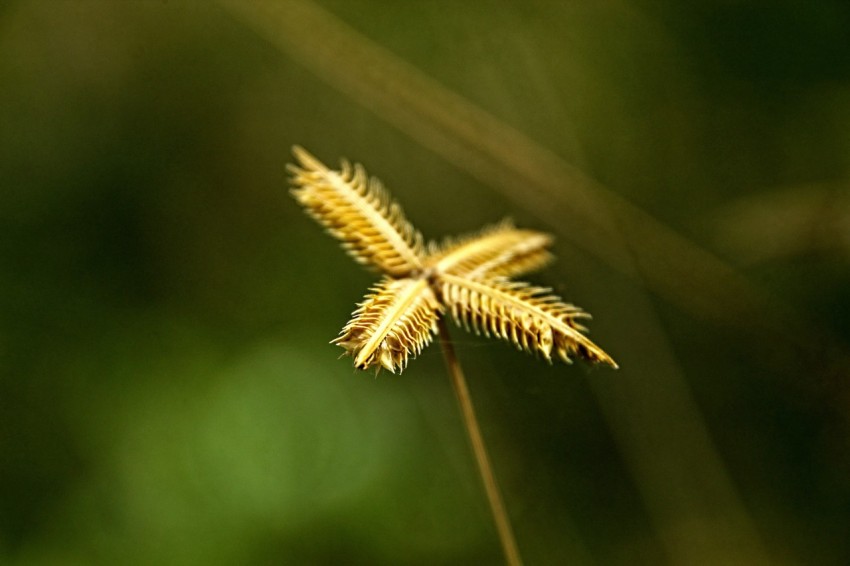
point(299, 152)
point(306, 158)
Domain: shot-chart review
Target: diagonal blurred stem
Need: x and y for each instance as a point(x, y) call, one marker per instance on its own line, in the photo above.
point(691, 499)
point(479, 449)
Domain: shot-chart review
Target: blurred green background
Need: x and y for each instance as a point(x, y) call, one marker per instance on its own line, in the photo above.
point(167, 391)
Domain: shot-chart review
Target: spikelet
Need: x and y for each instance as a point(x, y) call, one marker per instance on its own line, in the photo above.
point(469, 276)
point(529, 317)
point(358, 211)
point(395, 321)
point(499, 250)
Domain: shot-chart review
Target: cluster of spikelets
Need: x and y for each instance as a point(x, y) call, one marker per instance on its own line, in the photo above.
point(470, 277)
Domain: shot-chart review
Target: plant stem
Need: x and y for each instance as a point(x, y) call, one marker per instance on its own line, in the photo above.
point(497, 507)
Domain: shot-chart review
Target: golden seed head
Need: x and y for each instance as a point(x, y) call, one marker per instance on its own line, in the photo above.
point(470, 276)
point(497, 251)
point(397, 319)
point(358, 211)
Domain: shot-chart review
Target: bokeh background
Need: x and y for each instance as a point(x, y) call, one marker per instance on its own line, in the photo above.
point(167, 391)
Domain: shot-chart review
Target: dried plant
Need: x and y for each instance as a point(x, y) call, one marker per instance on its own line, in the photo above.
point(469, 277)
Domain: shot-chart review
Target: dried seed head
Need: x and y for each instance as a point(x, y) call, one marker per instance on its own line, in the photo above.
point(499, 250)
point(529, 317)
point(358, 211)
point(468, 276)
point(396, 321)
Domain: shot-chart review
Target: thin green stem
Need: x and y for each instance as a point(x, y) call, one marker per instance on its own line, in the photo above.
point(497, 506)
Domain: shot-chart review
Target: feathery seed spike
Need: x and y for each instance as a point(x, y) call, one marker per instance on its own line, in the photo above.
point(469, 276)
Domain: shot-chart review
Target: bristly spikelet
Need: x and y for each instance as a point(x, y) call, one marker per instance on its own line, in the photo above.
point(358, 211)
point(499, 250)
point(470, 276)
point(396, 321)
point(529, 317)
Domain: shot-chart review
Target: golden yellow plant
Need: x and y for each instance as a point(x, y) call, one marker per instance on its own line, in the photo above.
point(470, 277)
